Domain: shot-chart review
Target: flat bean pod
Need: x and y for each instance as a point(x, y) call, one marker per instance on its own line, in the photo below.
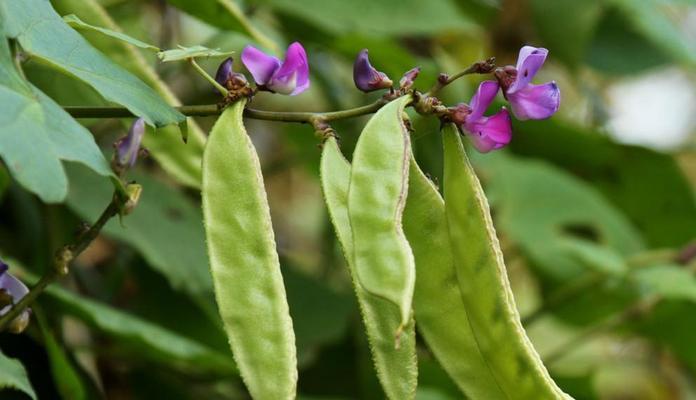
point(441, 315)
point(396, 367)
point(244, 263)
point(378, 187)
point(482, 278)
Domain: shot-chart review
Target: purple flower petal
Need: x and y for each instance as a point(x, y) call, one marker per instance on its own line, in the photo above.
point(224, 72)
point(482, 99)
point(293, 75)
point(490, 133)
point(129, 146)
point(14, 287)
point(528, 63)
point(535, 101)
point(366, 77)
point(260, 65)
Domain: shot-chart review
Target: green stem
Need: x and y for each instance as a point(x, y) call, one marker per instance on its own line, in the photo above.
point(207, 77)
point(479, 67)
point(64, 256)
point(256, 34)
point(214, 109)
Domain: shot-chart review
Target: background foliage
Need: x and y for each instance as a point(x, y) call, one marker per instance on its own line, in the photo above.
point(590, 227)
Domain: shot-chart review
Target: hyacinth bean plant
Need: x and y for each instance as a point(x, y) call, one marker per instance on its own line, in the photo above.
point(424, 258)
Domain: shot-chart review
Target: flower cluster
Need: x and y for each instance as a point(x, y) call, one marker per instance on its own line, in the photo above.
point(11, 291)
point(487, 133)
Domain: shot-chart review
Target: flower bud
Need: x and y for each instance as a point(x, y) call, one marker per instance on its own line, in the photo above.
point(409, 77)
point(128, 147)
point(366, 77)
point(224, 72)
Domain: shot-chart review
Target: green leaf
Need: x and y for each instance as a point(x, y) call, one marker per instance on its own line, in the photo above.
point(669, 281)
point(599, 258)
point(142, 338)
point(566, 26)
point(165, 227)
point(36, 134)
point(633, 178)
point(649, 17)
point(65, 376)
point(514, 184)
point(47, 38)
point(179, 159)
point(244, 263)
point(75, 22)
point(378, 188)
point(376, 18)
point(484, 284)
point(440, 313)
point(396, 366)
point(184, 53)
point(226, 14)
point(14, 376)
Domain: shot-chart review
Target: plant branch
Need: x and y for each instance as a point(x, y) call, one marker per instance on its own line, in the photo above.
point(479, 67)
point(214, 109)
point(63, 257)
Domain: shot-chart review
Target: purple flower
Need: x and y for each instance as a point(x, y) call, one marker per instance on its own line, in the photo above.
point(529, 101)
point(128, 147)
point(224, 72)
point(486, 133)
point(11, 291)
point(366, 77)
point(290, 77)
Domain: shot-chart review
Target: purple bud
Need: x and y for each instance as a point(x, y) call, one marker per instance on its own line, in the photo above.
point(409, 77)
point(529, 101)
point(224, 72)
point(11, 291)
point(290, 77)
point(128, 147)
point(366, 77)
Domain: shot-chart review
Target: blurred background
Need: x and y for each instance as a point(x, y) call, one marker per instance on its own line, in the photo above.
point(595, 207)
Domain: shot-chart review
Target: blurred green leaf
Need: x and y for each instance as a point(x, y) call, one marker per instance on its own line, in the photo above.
point(183, 53)
point(650, 18)
point(618, 49)
point(65, 376)
point(226, 14)
point(75, 22)
point(14, 376)
point(648, 186)
point(46, 37)
point(566, 26)
point(142, 338)
point(599, 258)
point(672, 323)
point(537, 205)
point(36, 134)
point(669, 281)
point(165, 227)
point(181, 160)
point(319, 315)
point(386, 17)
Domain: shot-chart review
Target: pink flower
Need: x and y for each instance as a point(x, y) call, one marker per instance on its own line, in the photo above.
point(290, 77)
point(486, 133)
point(529, 101)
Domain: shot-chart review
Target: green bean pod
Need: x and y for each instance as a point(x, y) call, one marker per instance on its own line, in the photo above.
point(378, 187)
point(396, 368)
point(244, 263)
point(441, 315)
point(485, 289)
